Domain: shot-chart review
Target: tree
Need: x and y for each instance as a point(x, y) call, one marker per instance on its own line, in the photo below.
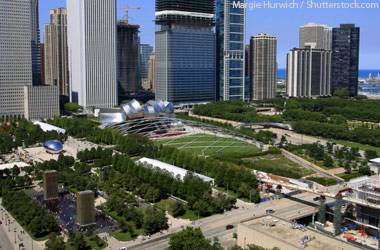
point(256, 196)
point(365, 170)
point(370, 154)
point(189, 239)
point(328, 162)
point(79, 243)
point(338, 120)
point(347, 167)
point(15, 171)
point(341, 93)
point(55, 242)
point(178, 209)
point(154, 221)
point(152, 194)
point(72, 107)
point(124, 227)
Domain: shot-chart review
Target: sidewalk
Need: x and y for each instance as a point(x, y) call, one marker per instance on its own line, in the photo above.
point(25, 239)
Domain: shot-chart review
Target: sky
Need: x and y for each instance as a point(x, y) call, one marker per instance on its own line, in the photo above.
point(283, 23)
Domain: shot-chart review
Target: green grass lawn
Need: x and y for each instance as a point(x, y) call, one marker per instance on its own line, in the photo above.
point(120, 235)
point(196, 143)
point(189, 214)
point(231, 193)
point(348, 177)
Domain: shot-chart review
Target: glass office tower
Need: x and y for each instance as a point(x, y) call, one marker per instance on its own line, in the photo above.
point(345, 58)
point(185, 51)
point(230, 46)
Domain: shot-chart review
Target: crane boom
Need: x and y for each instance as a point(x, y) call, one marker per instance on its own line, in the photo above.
point(126, 11)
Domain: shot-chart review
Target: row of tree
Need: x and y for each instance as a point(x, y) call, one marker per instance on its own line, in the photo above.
point(233, 111)
point(339, 132)
point(361, 110)
point(98, 156)
point(29, 213)
point(226, 176)
point(25, 133)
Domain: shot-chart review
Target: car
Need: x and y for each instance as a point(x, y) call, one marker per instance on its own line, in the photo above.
point(287, 135)
point(269, 211)
point(123, 248)
point(229, 227)
point(316, 198)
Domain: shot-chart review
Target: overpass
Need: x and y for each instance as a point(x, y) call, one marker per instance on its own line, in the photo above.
point(323, 192)
point(266, 124)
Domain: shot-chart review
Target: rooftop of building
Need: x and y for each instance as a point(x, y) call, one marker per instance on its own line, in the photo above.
point(282, 233)
point(172, 169)
point(314, 25)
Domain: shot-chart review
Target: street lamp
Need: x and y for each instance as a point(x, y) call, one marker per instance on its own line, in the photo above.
point(9, 225)
point(15, 234)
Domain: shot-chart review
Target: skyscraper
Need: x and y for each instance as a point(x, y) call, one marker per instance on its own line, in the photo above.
point(20, 64)
point(247, 70)
point(91, 33)
point(16, 56)
point(151, 70)
point(145, 50)
point(316, 36)
point(308, 72)
point(345, 58)
point(128, 58)
point(230, 57)
point(42, 48)
point(55, 39)
point(185, 51)
point(263, 63)
point(35, 42)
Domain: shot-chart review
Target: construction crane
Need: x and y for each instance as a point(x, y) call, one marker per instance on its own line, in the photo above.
point(126, 11)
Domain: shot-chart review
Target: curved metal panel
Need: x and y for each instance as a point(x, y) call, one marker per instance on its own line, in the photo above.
point(150, 111)
point(161, 104)
point(112, 117)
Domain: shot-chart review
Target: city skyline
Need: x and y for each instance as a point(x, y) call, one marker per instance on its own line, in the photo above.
point(282, 23)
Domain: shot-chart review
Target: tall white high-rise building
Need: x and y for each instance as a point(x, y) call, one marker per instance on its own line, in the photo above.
point(263, 63)
point(308, 72)
point(91, 31)
point(316, 36)
point(55, 39)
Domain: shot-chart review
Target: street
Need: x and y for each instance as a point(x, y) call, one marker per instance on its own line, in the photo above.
point(215, 226)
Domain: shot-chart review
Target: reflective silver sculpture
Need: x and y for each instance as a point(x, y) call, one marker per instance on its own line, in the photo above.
point(112, 117)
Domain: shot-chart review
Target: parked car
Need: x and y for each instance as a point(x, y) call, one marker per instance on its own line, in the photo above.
point(229, 227)
point(269, 211)
point(316, 198)
point(122, 248)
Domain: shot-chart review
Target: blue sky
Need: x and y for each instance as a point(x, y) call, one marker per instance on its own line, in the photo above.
point(283, 23)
